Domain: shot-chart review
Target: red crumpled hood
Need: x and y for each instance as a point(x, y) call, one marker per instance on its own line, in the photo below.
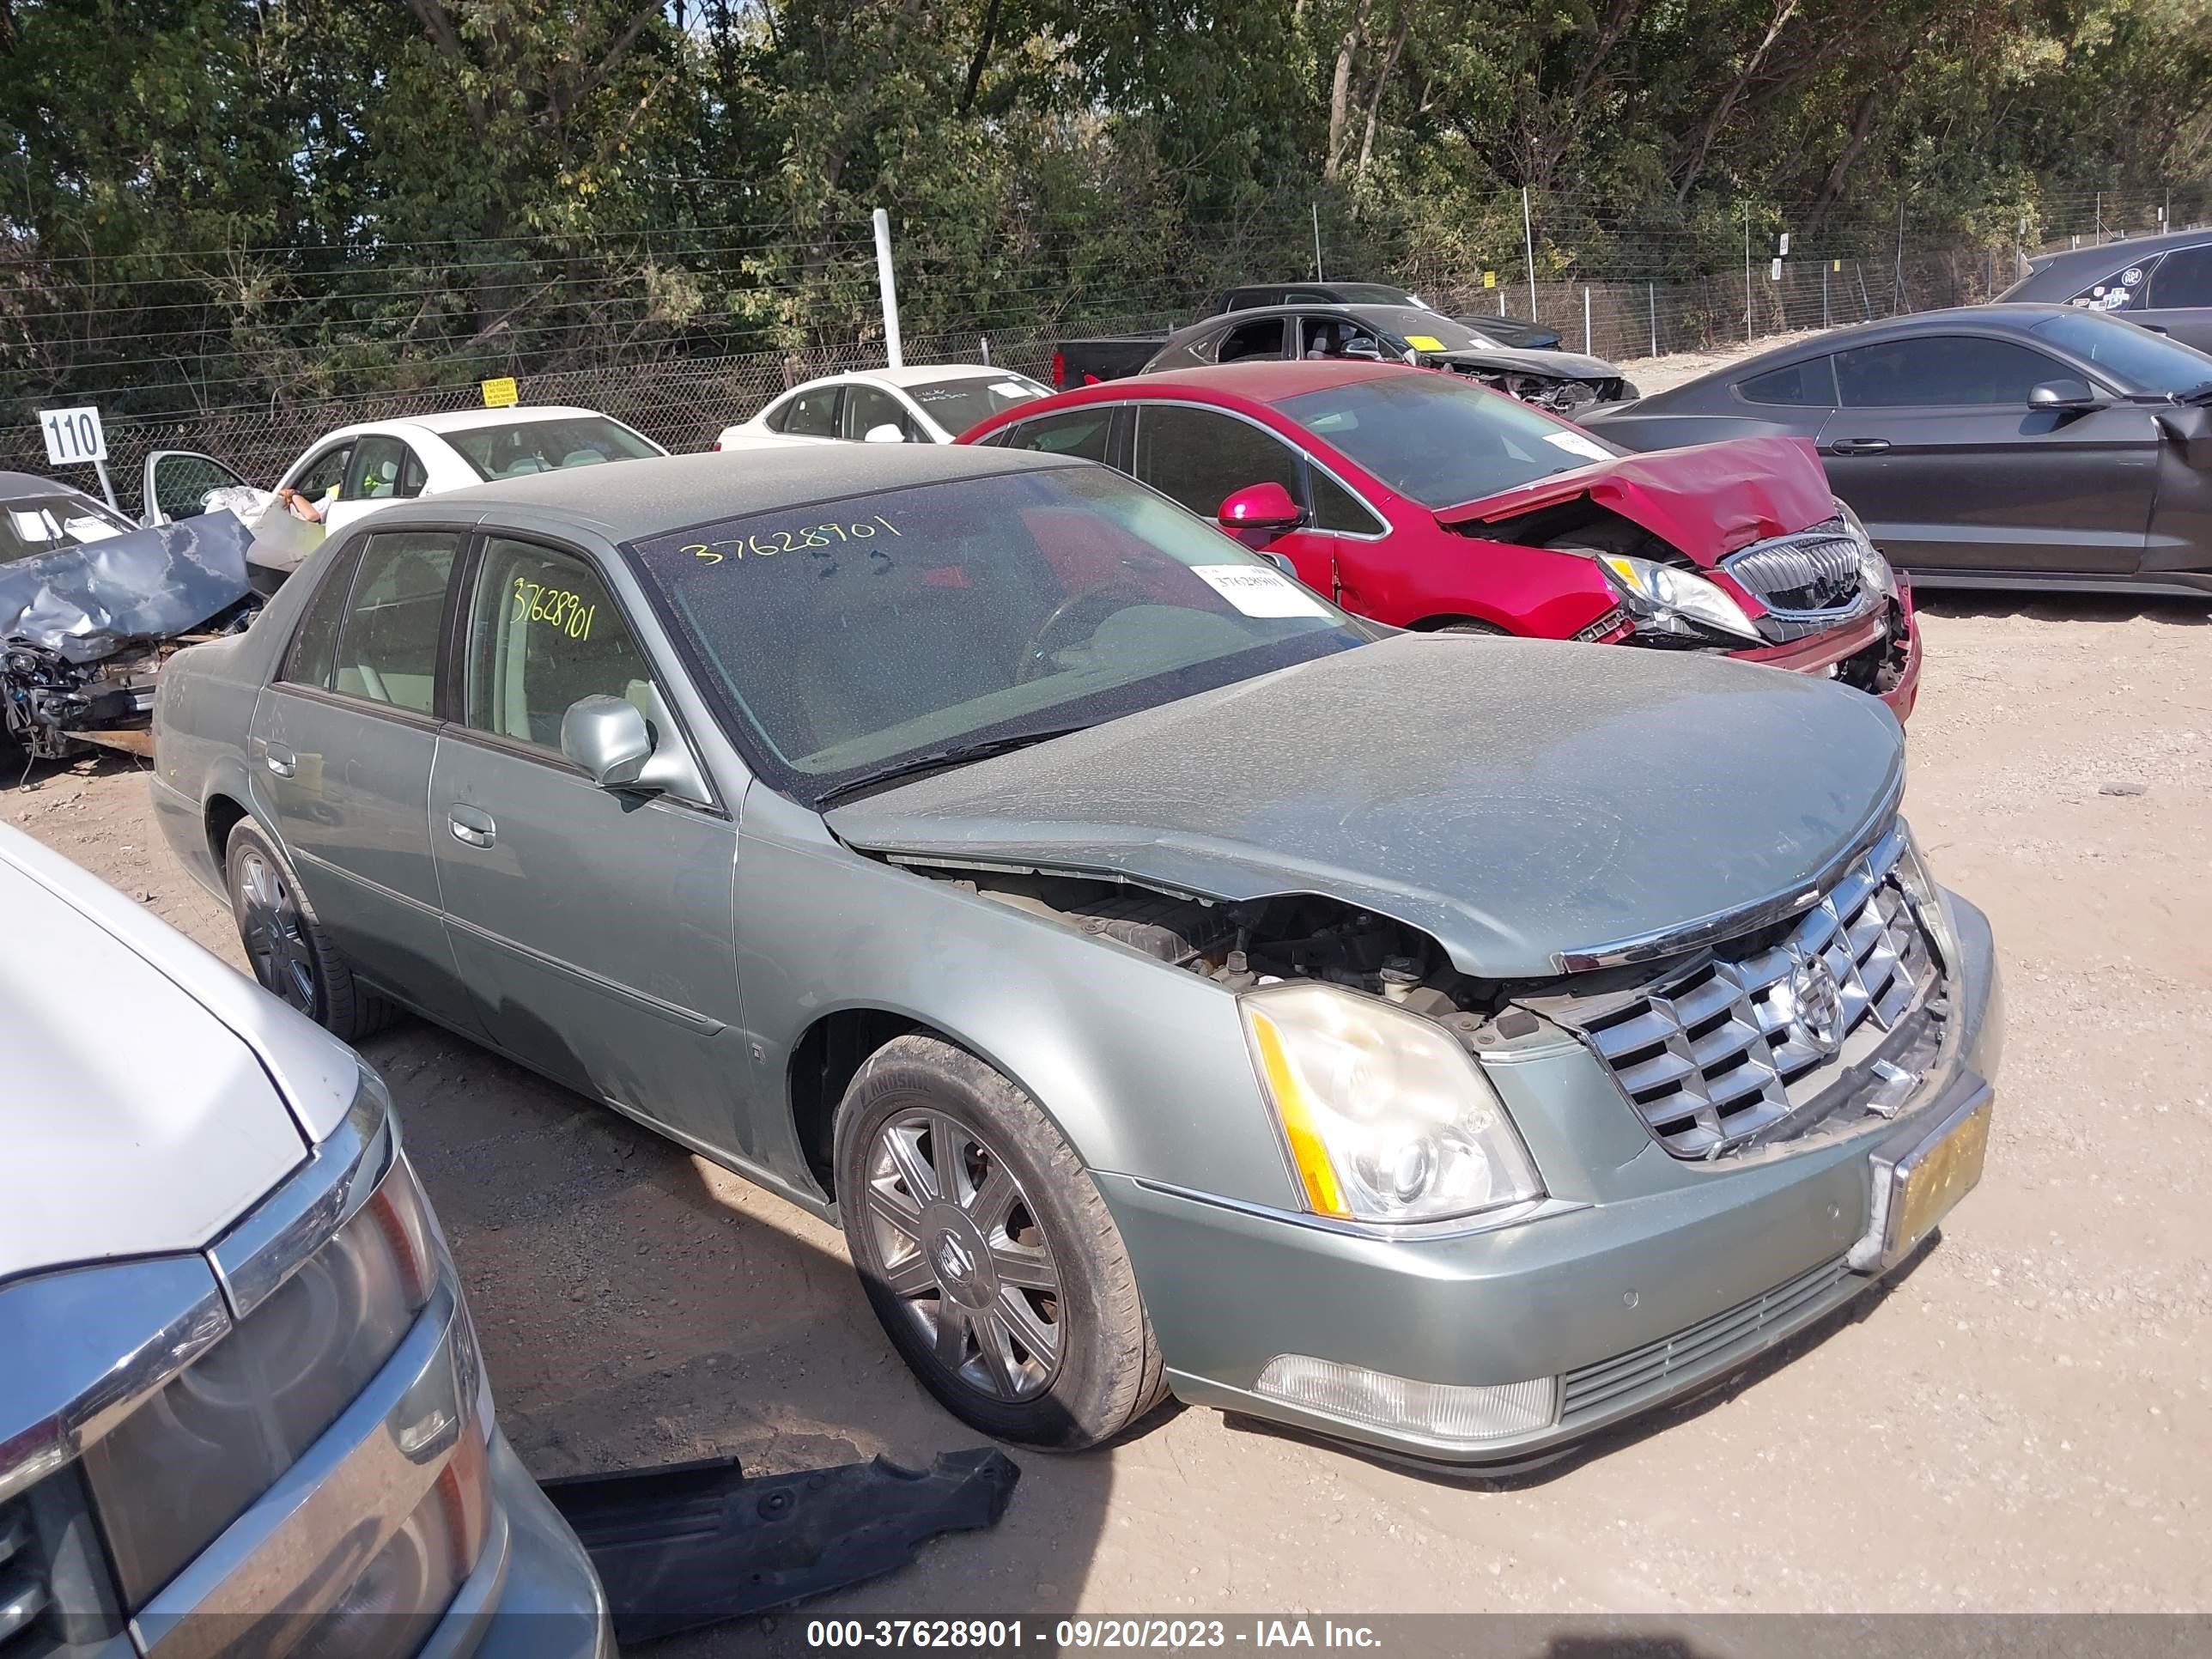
point(1708, 500)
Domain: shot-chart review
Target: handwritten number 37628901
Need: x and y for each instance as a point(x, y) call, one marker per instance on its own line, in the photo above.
point(768, 545)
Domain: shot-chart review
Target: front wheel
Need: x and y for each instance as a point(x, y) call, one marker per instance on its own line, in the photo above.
point(987, 1253)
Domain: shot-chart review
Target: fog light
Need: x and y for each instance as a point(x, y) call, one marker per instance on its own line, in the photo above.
point(1437, 1410)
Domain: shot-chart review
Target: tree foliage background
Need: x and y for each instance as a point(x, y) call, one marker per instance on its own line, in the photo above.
point(211, 202)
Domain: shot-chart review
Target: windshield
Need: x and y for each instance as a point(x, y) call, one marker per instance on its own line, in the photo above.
point(2148, 362)
point(518, 448)
point(32, 525)
point(1378, 293)
point(955, 405)
point(1439, 439)
point(844, 638)
point(1422, 329)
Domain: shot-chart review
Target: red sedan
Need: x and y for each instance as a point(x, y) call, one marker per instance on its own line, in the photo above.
point(1425, 501)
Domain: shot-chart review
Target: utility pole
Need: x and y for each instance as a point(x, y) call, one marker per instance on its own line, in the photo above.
point(1316, 223)
point(1651, 299)
point(1746, 275)
point(888, 286)
point(1529, 249)
point(1897, 272)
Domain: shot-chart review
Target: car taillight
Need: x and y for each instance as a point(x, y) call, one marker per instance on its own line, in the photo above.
point(1059, 369)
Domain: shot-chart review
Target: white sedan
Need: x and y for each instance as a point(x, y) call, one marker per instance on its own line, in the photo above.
point(357, 469)
point(931, 404)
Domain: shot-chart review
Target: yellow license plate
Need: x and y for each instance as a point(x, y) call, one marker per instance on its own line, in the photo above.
point(1937, 1176)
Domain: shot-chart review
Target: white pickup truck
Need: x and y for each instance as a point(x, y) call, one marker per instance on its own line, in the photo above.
point(242, 1408)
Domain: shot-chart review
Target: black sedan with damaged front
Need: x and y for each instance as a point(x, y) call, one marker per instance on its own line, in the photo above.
point(1998, 446)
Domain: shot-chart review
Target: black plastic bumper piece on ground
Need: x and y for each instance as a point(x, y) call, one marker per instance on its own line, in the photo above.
point(692, 1544)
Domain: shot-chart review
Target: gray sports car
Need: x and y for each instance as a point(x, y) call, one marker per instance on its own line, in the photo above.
point(1452, 1045)
point(1992, 446)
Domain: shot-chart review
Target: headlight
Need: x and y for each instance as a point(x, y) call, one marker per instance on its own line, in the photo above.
point(182, 1465)
point(1926, 897)
point(1873, 569)
point(1386, 1117)
point(1666, 601)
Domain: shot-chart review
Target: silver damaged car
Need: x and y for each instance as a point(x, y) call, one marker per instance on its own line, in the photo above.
point(1170, 983)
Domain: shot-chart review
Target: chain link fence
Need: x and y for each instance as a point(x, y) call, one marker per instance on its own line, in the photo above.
point(681, 391)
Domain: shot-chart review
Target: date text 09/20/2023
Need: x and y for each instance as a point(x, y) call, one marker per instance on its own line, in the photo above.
point(1058, 1635)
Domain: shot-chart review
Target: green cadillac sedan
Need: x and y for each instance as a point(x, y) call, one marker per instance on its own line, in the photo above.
point(1170, 983)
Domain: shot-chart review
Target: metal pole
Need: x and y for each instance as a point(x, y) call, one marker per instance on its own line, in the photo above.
point(1824, 294)
point(2100, 215)
point(1586, 321)
point(889, 286)
point(984, 340)
point(107, 487)
point(1897, 273)
point(1317, 222)
point(1529, 248)
point(1746, 275)
point(1651, 299)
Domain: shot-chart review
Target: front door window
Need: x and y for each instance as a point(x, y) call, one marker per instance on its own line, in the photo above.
point(543, 634)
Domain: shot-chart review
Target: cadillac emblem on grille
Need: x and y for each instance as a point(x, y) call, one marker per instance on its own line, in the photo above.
point(1816, 1001)
point(1732, 1042)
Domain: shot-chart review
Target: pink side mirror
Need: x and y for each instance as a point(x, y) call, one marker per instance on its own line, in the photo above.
point(1259, 512)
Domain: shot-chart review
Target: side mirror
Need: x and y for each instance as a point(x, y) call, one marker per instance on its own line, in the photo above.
point(609, 739)
point(2067, 394)
point(888, 433)
point(1259, 512)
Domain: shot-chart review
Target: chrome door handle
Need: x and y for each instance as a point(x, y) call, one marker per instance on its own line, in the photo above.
point(280, 760)
point(469, 825)
point(1858, 445)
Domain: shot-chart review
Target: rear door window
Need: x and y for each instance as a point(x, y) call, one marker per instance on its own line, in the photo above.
point(1797, 385)
point(812, 414)
point(2183, 279)
point(1260, 338)
point(1201, 457)
point(387, 650)
point(1940, 370)
point(1083, 432)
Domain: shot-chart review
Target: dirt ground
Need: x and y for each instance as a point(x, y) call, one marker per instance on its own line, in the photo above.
point(2022, 1423)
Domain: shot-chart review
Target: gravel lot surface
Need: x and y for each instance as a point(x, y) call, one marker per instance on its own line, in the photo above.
point(2021, 1422)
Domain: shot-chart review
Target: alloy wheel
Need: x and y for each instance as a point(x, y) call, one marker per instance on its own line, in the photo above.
point(273, 932)
point(961, 1246)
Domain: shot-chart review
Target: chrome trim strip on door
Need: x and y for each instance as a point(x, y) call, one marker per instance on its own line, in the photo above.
point(704, 1024)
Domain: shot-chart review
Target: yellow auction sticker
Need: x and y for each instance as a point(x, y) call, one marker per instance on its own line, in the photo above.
point(1425, 342)
point(500, 393)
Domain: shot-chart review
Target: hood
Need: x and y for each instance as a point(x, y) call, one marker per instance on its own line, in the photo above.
point(141, 1117)
point(84, 603)
point(1516, 800)
point(1552, 365)
point(1708, 500)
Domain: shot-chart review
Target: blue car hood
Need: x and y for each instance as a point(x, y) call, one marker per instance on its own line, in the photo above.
point(1520, 801)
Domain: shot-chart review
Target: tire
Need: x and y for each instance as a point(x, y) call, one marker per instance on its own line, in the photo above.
point(292, 957)
point(1471, 626)
point(1062, 1360)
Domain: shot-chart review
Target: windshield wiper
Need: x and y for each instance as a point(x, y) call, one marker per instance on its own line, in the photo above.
point(2201, 394)
point(937, 760)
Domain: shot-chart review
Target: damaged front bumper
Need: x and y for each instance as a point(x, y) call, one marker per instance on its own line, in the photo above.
point(1879, 654)
point(84, 630)
point(1643, 1279)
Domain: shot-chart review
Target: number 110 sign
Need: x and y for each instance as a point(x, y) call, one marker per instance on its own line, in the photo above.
point(74, 437)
